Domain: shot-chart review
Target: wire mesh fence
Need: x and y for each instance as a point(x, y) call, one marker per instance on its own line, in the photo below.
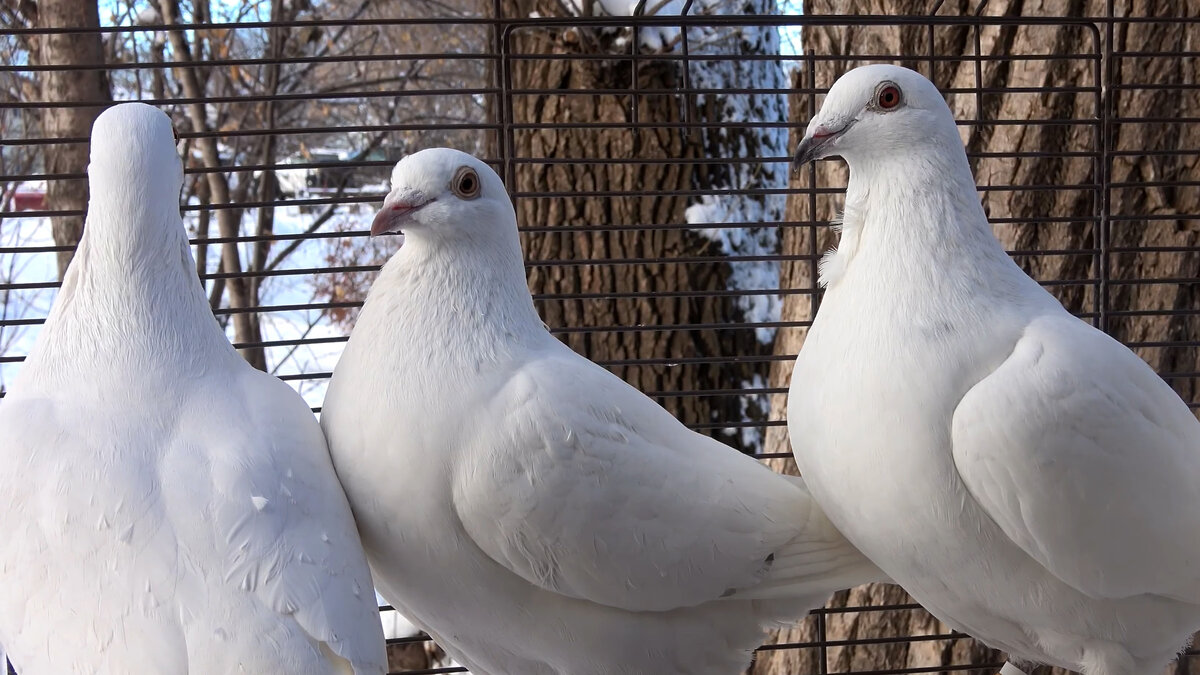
point(647, 154)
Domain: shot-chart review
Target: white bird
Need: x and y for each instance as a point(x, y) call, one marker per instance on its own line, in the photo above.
point(530, 510)
point(1023, 475)
point(167, 508)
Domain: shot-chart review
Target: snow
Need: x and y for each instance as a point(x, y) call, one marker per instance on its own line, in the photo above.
point(24, 303)
point(747, 275)
point(309, 324)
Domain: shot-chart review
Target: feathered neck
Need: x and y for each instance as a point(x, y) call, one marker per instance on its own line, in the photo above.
point(917, 208)
point(130, 299)
point(470, 293)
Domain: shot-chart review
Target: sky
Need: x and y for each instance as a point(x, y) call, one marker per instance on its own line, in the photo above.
point(789, 42)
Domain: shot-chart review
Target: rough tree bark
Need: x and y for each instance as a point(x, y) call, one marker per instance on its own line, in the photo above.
point(594, 222)
point(1073, 228)
point(69, 86)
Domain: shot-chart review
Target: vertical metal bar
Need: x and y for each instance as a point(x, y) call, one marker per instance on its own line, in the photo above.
point(689, 95)
point(932, 63)
point(1104, 179)
point(503, 33)
point(979, 64)
point(814, 260)
point(823, 641)
point(634, 66)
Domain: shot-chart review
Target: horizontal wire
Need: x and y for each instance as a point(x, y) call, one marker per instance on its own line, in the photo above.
point(463, 126)
point(715, 20)
point(492, 57)
point(1089, 24)
point(550, 194)
point(682, 361)
point(618, 262)
point(551, 161)
point(641, 227)
point(533, 91)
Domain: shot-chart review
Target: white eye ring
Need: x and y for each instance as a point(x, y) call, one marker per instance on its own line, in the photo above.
point(466, 183)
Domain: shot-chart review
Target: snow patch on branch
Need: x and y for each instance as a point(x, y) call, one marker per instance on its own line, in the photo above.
point(745, 276)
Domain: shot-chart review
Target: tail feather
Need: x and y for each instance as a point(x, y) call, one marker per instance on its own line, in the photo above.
point(817, 562)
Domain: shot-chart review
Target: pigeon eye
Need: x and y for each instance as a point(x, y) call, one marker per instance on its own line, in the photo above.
point(888, 97)
point(466, 183)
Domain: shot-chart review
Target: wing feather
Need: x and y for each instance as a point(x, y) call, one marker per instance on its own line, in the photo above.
point(588, 488)
point(1088, 461)
point(289, 533)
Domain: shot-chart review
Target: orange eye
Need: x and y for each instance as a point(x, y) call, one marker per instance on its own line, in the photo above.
point(888, 97)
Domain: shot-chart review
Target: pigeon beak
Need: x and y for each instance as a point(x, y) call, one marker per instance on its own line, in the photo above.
point(394, 214)
point(815, 145)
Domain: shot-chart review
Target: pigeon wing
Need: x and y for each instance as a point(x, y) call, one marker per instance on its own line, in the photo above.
point(585, 487)
point(115, 520)
point(1088, 461)
point(288, 532)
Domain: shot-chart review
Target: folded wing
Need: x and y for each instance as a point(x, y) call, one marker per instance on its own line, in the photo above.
point(583, 486)
point(1088, 461)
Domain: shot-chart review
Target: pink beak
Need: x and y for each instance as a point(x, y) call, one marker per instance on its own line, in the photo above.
point(824, 132)
point(392, 216)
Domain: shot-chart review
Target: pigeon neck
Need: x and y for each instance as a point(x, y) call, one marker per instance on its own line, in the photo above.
point(130, 299)
point(467, 292)
point(921, 212)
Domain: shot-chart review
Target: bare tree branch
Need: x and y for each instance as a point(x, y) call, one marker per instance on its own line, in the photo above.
point(228, 220)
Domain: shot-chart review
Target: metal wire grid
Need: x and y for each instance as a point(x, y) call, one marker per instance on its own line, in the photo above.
point(501, 131)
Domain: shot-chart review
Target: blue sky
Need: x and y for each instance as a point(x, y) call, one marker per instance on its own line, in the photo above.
point(789, 42)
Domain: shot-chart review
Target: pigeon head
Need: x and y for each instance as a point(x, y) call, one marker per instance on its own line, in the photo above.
point(134, 169)
point(442, 193)
point(875, 111)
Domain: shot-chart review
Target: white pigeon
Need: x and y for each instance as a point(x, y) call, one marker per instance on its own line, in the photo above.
point(530, 510)
point(168, 509)
point(1023, 475)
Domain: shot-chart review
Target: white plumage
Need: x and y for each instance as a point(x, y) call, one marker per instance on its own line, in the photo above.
point(530, 510)
point(1026, 477)
point(167, 508)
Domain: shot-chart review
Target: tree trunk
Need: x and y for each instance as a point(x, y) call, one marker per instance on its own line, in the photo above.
point(68, 86)
point(1149, 216)
point(1037, 223)
point(744, 213)
point(636, 331)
